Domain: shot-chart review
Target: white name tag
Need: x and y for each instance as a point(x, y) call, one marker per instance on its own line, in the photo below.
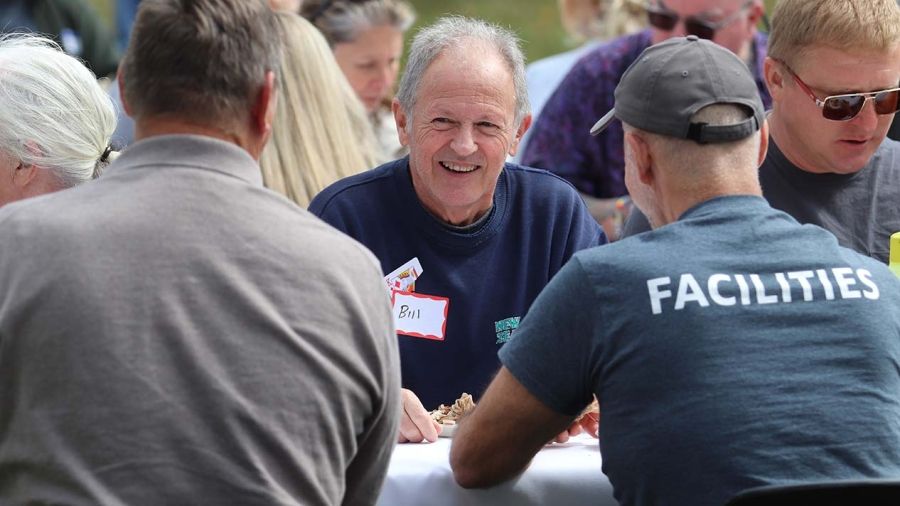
point(420, 315)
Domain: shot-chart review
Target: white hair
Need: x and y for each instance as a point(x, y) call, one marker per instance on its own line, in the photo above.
point(447, 32)
point(53, 113)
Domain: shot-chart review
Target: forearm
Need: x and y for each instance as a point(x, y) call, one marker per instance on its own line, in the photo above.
point(478, 462)
point(501, 436)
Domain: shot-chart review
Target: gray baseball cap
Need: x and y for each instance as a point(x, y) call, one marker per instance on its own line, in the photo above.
point(674, 79)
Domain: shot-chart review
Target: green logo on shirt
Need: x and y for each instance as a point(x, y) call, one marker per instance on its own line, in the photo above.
point(505, 328)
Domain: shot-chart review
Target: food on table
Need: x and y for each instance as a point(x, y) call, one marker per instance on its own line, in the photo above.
point(448, 416)
point(593, 407)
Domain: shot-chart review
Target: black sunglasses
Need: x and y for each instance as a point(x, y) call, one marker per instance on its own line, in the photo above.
point(662, 18)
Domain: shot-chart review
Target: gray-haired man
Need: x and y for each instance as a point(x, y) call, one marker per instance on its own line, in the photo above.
point(732, 348)
point(485, 236)
point(174, 333)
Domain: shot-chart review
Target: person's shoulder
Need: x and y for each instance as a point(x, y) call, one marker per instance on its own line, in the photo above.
point(51, 216)
point(885, 165)
point(856, 260)
point(356, 189)
point(336, 247)
point(630, 258)
point(539, 183)
point(889, 148)
point(612, 56)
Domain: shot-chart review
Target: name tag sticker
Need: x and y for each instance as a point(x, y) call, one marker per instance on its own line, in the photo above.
point(420, 315)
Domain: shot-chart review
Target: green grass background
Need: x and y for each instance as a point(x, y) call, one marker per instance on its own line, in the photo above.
point(536, 21)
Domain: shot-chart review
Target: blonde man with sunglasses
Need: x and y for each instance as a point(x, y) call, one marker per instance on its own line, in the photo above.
point(833, 72)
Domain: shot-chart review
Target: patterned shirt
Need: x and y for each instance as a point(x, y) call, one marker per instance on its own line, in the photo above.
point(560, 141)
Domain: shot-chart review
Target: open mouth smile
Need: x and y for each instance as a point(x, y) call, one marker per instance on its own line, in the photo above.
point(459, 169)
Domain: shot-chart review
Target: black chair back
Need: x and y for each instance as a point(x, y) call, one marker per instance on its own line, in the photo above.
point(844, 493)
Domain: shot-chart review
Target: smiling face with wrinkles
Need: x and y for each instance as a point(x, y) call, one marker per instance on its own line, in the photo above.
point(460, 131)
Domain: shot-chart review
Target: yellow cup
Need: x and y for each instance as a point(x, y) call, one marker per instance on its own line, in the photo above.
point(894, 262)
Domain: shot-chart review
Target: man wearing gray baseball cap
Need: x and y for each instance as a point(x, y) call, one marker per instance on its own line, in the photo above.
point(731, 349)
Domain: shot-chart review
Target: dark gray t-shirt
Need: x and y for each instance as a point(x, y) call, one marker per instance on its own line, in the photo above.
point(862, 209)
point(731, 349)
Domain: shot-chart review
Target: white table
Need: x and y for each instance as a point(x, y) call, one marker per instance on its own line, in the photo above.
point(560, 474)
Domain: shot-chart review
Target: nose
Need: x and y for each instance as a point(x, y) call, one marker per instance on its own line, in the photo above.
point(388, 75)
point(679, 30)
point(380, 80)
point(463, 143)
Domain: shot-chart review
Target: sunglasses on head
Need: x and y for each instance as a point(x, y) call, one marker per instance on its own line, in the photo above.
point(845, 107)
point(661, 18)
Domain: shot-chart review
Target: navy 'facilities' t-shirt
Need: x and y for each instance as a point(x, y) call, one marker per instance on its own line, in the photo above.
point(731, 349)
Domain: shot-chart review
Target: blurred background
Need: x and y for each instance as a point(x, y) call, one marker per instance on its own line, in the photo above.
point(536, 21)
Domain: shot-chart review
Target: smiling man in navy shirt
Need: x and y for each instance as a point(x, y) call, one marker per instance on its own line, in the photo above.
point(468, 240)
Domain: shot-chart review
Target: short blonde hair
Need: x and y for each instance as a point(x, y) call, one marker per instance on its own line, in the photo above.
point(851, 25)
point(321, 132)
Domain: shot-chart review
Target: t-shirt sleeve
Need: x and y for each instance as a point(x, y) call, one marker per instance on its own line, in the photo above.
point(586, 232)
point(328, 207)
point(553, 352)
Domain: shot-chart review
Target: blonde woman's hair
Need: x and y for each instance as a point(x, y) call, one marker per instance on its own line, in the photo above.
point(321, 132)
point(849, 25)
point(601, 19)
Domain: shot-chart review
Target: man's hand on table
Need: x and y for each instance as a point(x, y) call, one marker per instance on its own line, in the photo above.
point(589, 423)
point(416, 423)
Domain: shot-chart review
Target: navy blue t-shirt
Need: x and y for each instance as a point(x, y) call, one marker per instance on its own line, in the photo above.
point(731, 349)
point(491, 273)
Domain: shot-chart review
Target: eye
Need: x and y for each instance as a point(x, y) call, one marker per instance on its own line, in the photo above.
point(369, 65)
point(442, 123)
point(487, 125)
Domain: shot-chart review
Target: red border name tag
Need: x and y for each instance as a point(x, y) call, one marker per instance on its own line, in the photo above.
point(420, 315)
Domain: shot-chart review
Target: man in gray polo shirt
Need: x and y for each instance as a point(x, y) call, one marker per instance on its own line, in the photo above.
point(731, 348)
point(174, 333)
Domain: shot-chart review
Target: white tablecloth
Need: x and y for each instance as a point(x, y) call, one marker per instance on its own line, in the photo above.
point(560, 474)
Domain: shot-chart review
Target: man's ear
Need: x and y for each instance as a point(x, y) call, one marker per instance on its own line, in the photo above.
point(402, 121)
point(23, 175)
point(523, 127)
point(263, 114)
point(641, 156)
point(775, 78)
point(763, 142)
point(120, 82)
